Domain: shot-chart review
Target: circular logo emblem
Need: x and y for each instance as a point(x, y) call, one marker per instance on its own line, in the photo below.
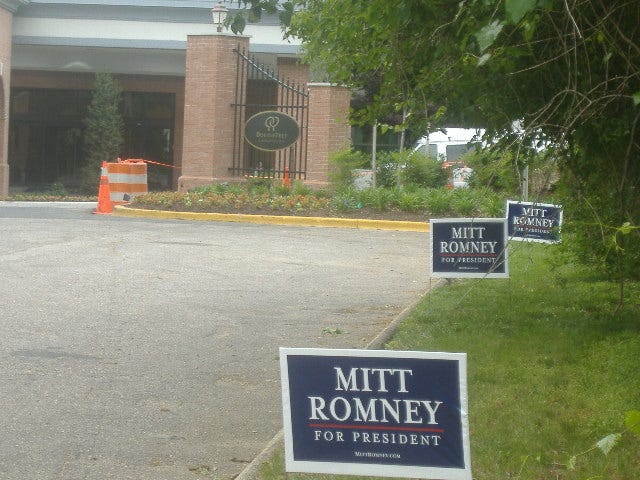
point(271, 130)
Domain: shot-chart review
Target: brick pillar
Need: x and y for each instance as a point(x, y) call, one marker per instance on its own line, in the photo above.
point(210, 82)
point(178, 136)
point(329, 129)
point(6, 27)
point(293, 71)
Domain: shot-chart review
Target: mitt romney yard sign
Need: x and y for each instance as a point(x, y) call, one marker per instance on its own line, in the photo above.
point(380, 413)
point(469, 247)
point(535, 222)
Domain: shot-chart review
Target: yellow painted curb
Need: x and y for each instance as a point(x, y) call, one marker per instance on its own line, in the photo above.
point(123, 211)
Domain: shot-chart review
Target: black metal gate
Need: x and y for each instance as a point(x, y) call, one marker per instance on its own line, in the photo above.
point(259, 89)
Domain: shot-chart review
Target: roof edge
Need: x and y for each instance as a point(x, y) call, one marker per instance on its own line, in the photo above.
point(13, 5)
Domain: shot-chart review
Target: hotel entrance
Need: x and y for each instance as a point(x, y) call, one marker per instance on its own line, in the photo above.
point(46, 148)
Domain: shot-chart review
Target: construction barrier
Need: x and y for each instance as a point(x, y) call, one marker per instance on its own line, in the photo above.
point(105, 206)
point(127, 179)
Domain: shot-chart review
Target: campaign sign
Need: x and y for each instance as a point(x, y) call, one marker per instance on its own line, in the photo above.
point(535, 222)
point(374, 412)
point(469, 247)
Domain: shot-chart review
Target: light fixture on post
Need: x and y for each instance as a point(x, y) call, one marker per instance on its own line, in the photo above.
point(219, 15)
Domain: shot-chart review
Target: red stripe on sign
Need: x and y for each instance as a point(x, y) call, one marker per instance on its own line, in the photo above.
point(375, 427)
point(468, 255)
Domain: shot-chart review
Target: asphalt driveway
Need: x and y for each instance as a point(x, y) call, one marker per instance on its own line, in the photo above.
point(147, 349)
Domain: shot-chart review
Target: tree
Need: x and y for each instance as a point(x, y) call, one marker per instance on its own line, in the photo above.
point(564, 73)
point(103, 134)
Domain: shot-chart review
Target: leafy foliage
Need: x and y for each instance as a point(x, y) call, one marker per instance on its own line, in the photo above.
point(565, 74)
point(409, 169)
point(252, 10)
point(103, 136)
point(342, 164)
point(423, 203)
point(499, 170)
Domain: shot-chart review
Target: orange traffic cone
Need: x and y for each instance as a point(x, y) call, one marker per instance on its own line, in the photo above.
point(105, 206)
point(286, 181)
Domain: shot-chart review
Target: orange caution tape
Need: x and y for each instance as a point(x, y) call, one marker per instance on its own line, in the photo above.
point(141, 160)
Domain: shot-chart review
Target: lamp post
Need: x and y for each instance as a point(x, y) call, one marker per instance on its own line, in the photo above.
point(219, 15)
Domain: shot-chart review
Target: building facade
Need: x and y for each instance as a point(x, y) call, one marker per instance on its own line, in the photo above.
point(180, 80)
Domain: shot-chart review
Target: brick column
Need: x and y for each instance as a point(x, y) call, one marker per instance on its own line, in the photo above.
point(329, 129)
point(6, 27)
point(178, 136)
point(293, 71)
point(210, 82)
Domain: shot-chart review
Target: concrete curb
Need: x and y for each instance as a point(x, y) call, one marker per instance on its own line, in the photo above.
point(123, 211)
point(250, 472)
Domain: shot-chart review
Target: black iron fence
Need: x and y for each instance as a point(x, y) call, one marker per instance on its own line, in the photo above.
point(260, 89)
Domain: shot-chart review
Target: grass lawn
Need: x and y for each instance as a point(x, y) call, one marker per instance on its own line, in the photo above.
point(550, 370)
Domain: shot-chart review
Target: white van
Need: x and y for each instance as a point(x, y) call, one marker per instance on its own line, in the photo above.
point(449, 146)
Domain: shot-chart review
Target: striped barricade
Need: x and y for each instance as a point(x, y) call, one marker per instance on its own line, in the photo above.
point(127, 179)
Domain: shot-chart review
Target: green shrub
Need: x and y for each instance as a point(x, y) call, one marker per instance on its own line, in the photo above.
point(342, 165)
point(499, 171)
point(439, 202)
point(345, 199)
point(413, 200)
point(489, 203)
point(433, 202)
point(494, 170)
point(464, 202)
point(103, 135)
point(259, 184)
point(235, 188)
point(57, 189)
point(281, 190)
point(387, 170)
point(423, 171)
point(394, 169)
point(299, 188)
point(379, 199)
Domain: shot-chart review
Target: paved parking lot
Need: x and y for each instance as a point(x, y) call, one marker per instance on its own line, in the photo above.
point(147, 349)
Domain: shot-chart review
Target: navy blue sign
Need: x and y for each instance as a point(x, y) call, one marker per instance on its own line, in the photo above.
point(468, 247)
point(383, 413)
point(535, 222)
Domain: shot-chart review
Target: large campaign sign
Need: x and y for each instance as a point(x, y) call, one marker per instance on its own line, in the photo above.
point(535, 222)
point(374, 412)
point(469, 247)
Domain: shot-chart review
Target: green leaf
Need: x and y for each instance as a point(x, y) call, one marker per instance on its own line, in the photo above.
point(607, 443)
point(238, 23)
point(286, 14)
point(572, 463)
point(636, 98)
point(632, 421)
point(626, 228)
point(529, 28)
point(517, 9)
point(488, 34)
